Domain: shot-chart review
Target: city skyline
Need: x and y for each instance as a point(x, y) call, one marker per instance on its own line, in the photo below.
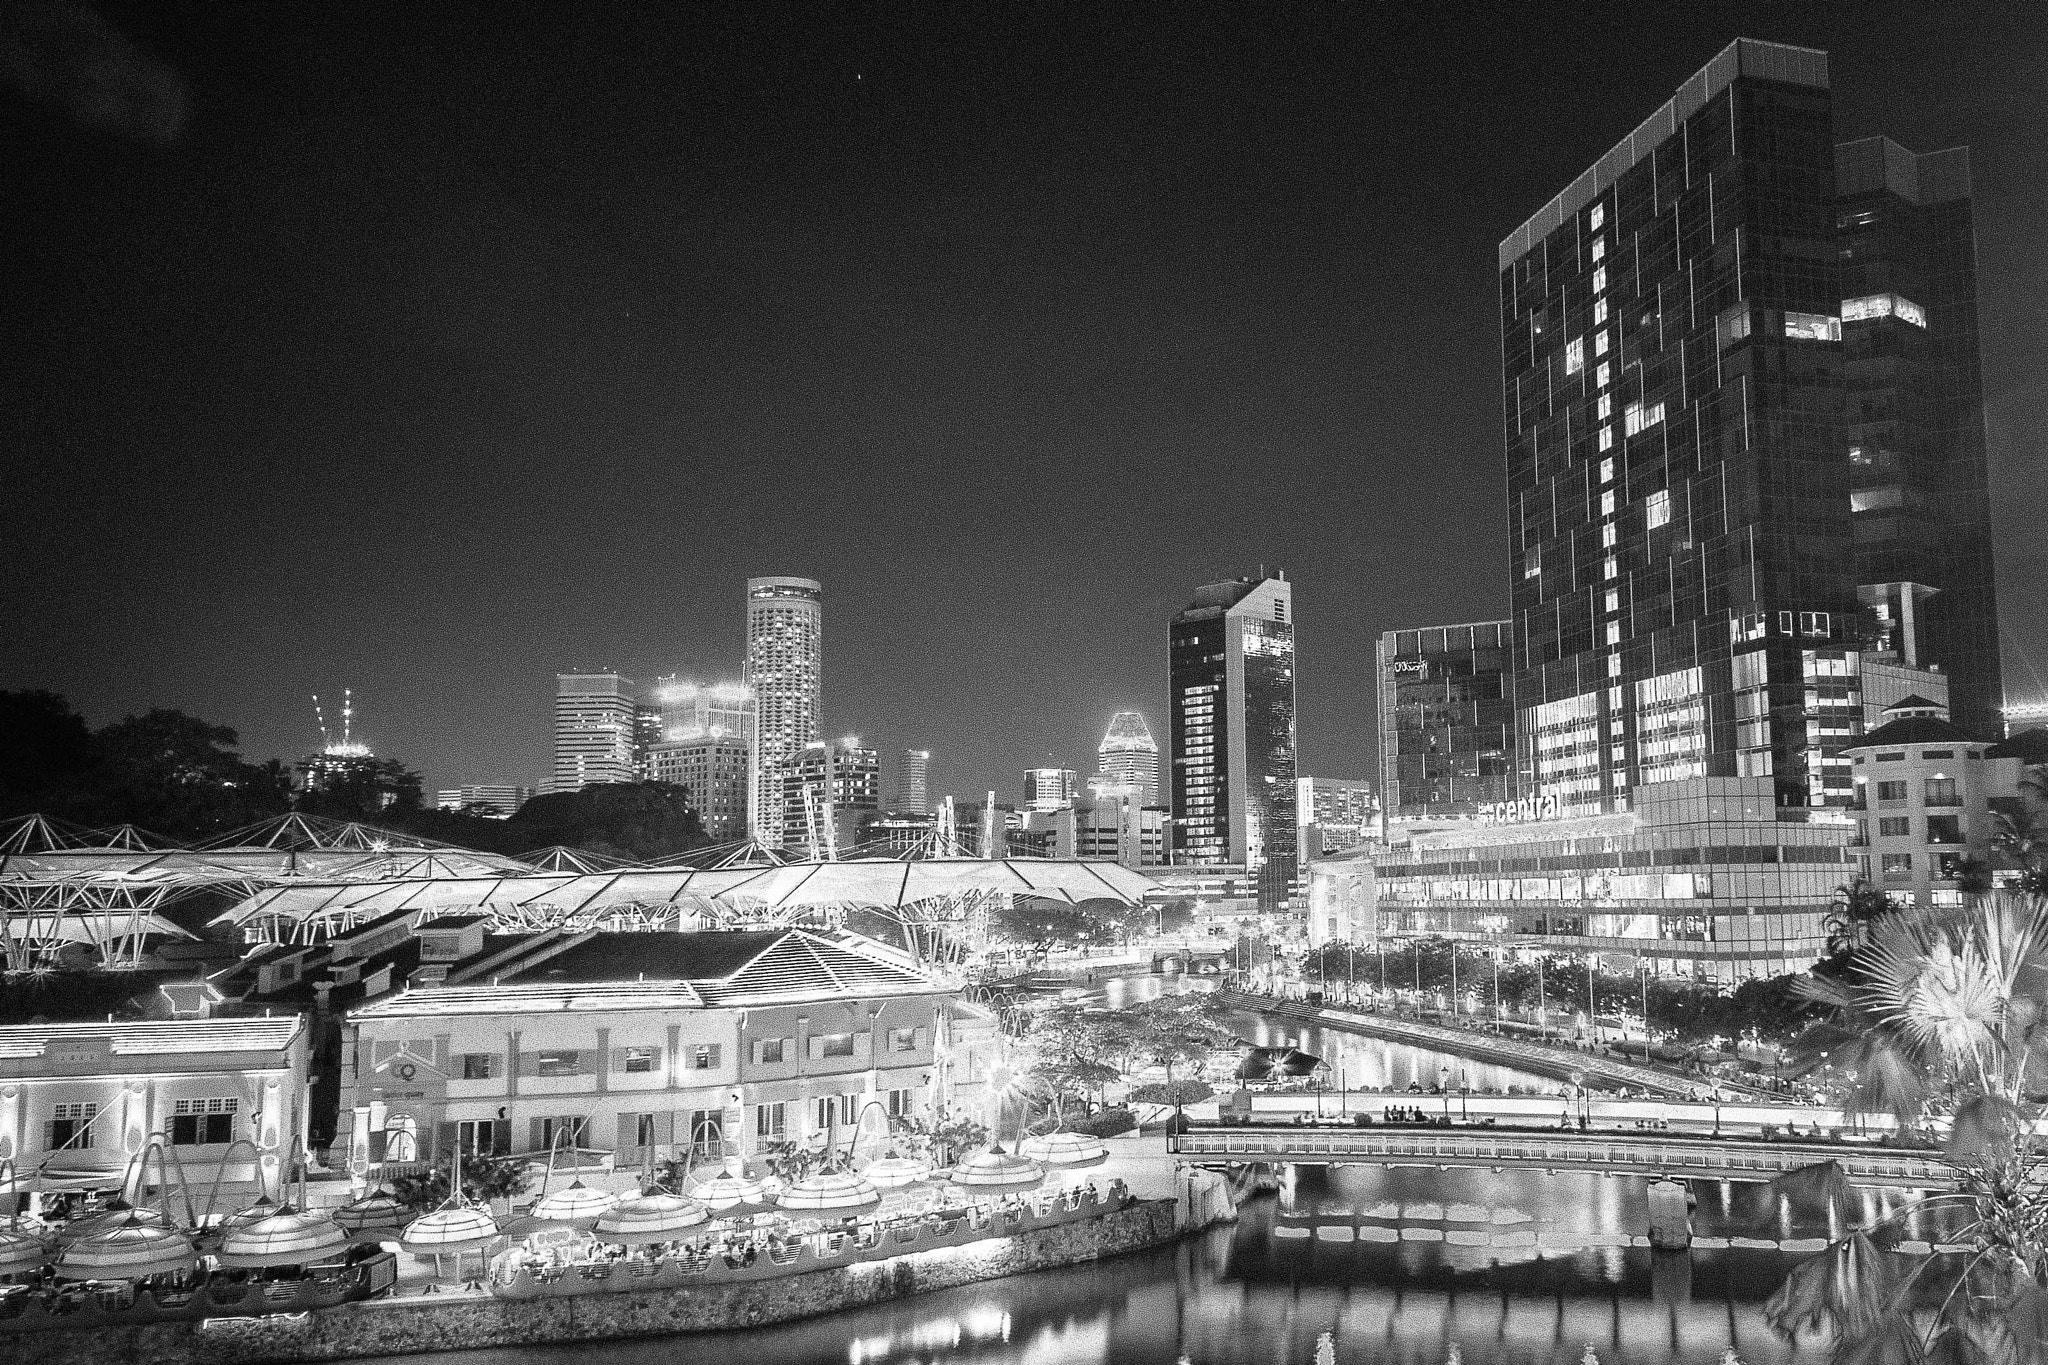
point(1400, 280)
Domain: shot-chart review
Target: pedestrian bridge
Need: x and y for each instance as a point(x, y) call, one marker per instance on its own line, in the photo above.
point(1644, 1154)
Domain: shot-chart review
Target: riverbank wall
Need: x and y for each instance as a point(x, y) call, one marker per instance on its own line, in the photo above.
point(402, 1326)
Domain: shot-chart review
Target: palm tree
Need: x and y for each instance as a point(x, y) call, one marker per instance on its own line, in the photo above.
point(1856, 908)
point(2023, 830)
point(1941, 1022)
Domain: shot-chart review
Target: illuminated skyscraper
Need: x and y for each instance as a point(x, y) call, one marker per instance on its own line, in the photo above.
point(690, 709)
point(828, 788)
point(1050, 788)
point(1678, 482)
point(785, 670)
point(913, 782)
point(1231, 679)
point(1127, 760)
point(596, 730)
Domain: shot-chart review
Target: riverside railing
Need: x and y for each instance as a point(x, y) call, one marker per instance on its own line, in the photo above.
point(1620, 1154)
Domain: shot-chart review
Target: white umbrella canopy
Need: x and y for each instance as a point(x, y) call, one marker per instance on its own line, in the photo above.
point(1065, 1150)
point(135, 1250)
point(21, 1251)
point(893, 1172)
point(92, 1225)
point(733, 1196)
point(996, 1171)
point(377, 1211)
point(839, 1192)
point(654, 1217)
point(284, 1238)
point(445, 1230)
point(575, 1204)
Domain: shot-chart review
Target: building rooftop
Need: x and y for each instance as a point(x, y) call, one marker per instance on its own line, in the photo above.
point(1912, 729)
point(136, 1038)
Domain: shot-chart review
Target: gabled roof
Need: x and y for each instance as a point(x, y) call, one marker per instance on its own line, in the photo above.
point(151, 1037)
point(1913, 730)
point(629, 970)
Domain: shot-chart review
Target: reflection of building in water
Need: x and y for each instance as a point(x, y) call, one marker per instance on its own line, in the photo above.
point(1704, 876)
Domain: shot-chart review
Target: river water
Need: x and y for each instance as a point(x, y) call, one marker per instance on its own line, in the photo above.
point(1273, 1288)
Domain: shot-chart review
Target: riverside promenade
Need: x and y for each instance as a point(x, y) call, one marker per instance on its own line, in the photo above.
point(1560, 1063)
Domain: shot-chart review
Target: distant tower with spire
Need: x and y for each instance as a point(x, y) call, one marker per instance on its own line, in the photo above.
point(1128, 759)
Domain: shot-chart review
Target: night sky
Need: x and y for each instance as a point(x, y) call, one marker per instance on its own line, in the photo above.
point(429, 349)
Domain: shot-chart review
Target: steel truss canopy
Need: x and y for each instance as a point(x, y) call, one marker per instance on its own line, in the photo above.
point(61, 885)
point(681, 898)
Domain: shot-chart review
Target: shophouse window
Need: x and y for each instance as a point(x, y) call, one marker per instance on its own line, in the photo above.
point(68, 1125)
point(835, 1045)
point(1891, 791)
point(197, 1122)
point(768, 1050)
point(557, 1132)
point(641, 1060)
point(556, 1063)
point(771, 1120)
point(707, 1130)
point(900, 1103)
point(476, 1066)
point(1944, 829)
point(704, 1057)
point(902, 1040)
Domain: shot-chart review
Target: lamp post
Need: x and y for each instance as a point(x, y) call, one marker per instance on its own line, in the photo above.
point(1542, 1002)
point(1643, 961)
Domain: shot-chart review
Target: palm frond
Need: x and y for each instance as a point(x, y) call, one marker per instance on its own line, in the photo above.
point(1846, 1289)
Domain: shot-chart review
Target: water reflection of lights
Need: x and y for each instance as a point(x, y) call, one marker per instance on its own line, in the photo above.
point(977, 1326)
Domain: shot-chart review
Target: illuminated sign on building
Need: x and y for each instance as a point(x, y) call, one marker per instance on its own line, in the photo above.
point(1411, 668)
point(1527, 809)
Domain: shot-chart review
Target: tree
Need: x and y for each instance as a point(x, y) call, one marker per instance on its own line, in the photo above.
point(174, 774)
point(2022, 829)
point(484, 1179)
point(1856, 909)
point(941, 1141)
point(1941, 1016)
point(43, 744)
point(347, 787)
point(1177, 1030)
point(1040, 925)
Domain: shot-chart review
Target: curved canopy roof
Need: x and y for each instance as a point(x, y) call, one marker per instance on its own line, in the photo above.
point(587, 899)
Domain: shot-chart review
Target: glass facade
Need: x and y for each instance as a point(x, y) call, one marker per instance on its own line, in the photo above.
point(1231, 675)
point(785, 672)
point(1914, 416)
point(1702, 878)
point(1446, 719)
point(1680, 536)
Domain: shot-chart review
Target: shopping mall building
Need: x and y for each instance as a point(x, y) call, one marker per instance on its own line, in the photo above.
point(1705, 877)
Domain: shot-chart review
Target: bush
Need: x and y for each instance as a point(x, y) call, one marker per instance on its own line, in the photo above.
point(1173, 1093)
point(1108, 1123)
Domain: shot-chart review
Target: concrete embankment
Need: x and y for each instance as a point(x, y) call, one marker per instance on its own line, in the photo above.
point(402, 1326)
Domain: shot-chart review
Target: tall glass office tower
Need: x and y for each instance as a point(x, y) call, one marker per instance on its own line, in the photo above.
point(1914, 417)
point(1683, 595)
point(597, 726)
point(1231, 679)
point(785, 671)
point(1447, 719)
point(1127, 760)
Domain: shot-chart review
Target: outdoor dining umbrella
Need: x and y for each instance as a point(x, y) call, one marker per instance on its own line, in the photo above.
point(373, 1216)
point(264, 1207)
point(841, 1192)
point(893, 1172)
point(92, 1225)
point(133, 1251)
point(997, 1172)
point(449, 1229)
point(1065, 1150)
point(287, 1237)
point(21, 1251)
point(657, 1216)
point(733, 1196)
point(576, 1206)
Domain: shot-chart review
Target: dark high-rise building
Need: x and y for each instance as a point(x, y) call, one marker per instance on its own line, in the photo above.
point(1914, 416)
point(1231, 678)
point(1447, 716)
point(1683, 595)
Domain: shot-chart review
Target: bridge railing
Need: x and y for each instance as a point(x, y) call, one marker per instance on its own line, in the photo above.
point(1579, 1151)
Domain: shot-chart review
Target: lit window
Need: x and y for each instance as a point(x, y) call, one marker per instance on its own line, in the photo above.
point(1884, 306)
point(1636, 417)
point(1614, 632)
point(1614, 665)
point(1733, 325)
point(1575, 355)
point(1599, 278)
point(1606, 406)
point(1599, 311)
point(1608, 535)
point(1606, 436)
point(1607, 503)
point(1608, 568)
point(1599, 217)
point(1659, 507)
point(1599, 248)
point(1600, 343)
point(1612, 601)
point(1532, 564)
point(1607, 471)
point(1600, 376)
point(1812, 327)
